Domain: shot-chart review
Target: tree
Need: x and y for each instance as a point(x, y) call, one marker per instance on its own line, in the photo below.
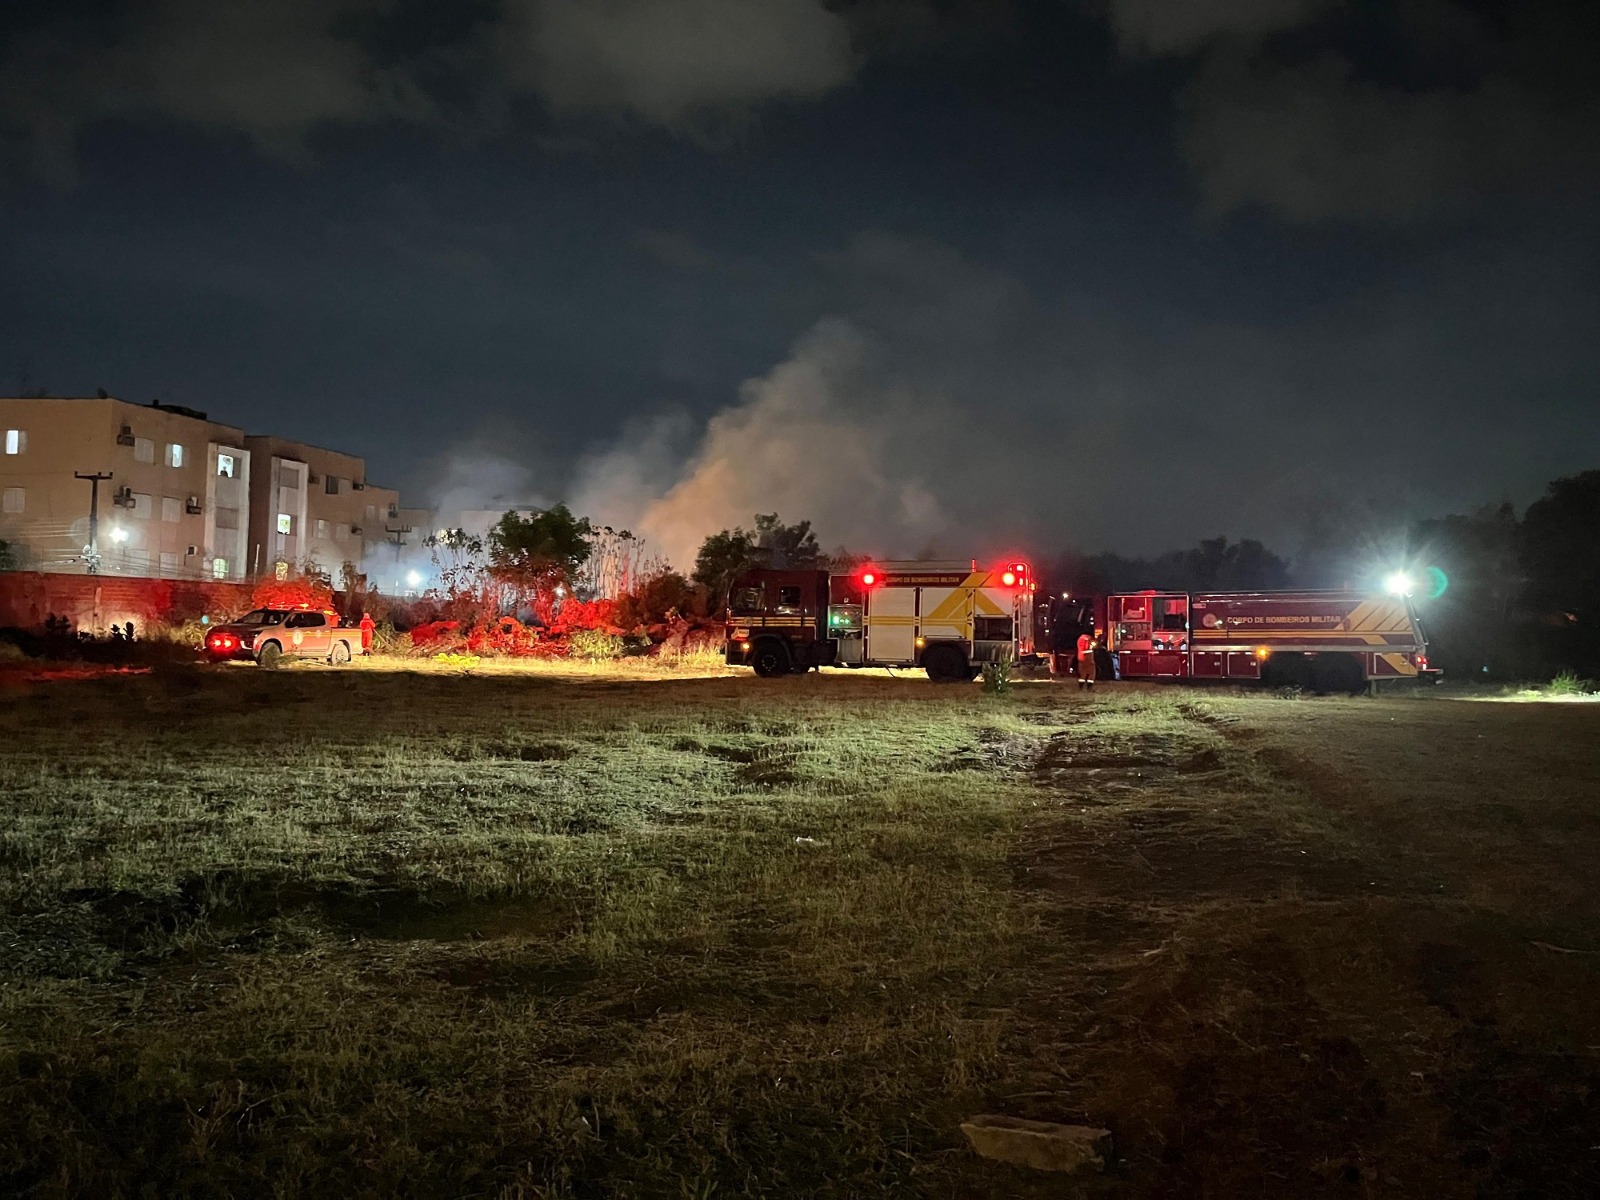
point(723, 558)
point(539, 553)
point(1476, 624)
point(655, 600)
point(1561, 554)
point(7, 558)
point(787, 546)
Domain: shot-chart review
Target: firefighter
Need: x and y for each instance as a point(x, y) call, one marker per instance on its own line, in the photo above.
point(1086, 649)
point(367, 628)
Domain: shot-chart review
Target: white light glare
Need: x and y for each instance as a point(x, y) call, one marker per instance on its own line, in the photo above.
point(119, 535)
point(1398, 584)
point(413, 578)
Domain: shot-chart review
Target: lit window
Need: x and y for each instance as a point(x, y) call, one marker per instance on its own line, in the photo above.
point(174, 455)
point(225, 465)
point(171, 509)
point(285, 523)
point(280, 571)
point(144, 450)
point(219, 568)
point(16, 441)
point(15, 501)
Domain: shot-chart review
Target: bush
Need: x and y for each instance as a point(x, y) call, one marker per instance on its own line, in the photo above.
point(1569, 684)
point(458, 662)
point(594, 644)
point(997, 676)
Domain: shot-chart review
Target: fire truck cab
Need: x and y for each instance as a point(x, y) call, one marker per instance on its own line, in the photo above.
point(947, 617)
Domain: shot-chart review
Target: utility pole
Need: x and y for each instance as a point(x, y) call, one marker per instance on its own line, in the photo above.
point(92, 555)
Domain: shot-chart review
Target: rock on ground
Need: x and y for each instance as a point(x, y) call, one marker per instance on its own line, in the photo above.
point(1042, 1145)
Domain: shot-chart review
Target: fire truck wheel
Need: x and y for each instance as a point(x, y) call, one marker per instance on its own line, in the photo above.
point(770, 658)
point(270, 655)
point(340, 655)
point(945, 664)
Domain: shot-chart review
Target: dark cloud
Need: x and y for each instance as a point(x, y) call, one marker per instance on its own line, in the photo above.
point(674, 63)
point(1162, 27)
point(272, 70)
point(277, 70)
point(1465, 103)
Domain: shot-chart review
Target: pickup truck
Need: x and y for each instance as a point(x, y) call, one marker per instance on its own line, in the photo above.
point(269, 635)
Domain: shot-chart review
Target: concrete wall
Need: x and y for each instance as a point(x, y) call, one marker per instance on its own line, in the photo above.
point(93, 602)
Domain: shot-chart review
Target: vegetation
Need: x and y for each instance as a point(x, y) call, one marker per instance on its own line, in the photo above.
point(509, 935)
point(725, 556)
point(540, 552)
point(997, 676)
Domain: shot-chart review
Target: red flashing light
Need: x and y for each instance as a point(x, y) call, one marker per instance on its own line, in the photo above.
point(1009, 578)
point(869, 578)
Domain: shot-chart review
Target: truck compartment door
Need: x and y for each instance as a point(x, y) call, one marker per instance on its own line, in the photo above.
point(892, 625)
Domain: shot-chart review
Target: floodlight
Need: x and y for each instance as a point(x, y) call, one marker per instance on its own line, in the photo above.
point(1398, 584)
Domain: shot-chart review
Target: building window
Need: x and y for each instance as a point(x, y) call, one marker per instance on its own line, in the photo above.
point(280, 571)
point(15, 500)
point(322, 530)
point(219, 568)
point(372, 512)
point(174, 454)
point(169, 563)
point(144, 450)
point(285, 523)
point(171, 509)
point(225, 466)
point(341, 532)
point(141, 506)
point(16, 441)
point(331, 483)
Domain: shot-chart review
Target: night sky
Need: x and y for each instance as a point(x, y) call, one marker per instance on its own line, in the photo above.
point(948, 276)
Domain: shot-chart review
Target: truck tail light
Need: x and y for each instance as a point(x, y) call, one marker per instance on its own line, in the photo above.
point(1421, 661)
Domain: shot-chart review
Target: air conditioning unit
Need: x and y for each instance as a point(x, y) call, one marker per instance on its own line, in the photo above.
point(357, 486)
point(394, 512)
point(193, 506)
point(313, 477)
point(355, 531)
point(125, 436)
point(192, 551)
point(123, 497)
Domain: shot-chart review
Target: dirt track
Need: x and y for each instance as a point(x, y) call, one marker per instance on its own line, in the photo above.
point(1324, 948)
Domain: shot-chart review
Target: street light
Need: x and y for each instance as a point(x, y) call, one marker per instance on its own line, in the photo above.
point(413, 578)
point(119, 535)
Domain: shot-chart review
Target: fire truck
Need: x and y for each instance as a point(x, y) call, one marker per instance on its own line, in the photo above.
point(1325, 641)
point(947, 617)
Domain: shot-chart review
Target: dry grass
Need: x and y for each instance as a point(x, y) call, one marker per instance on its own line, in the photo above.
point(562, 932)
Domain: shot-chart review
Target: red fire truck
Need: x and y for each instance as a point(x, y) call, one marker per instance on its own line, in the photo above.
point(1326, 641)
point(947, 617)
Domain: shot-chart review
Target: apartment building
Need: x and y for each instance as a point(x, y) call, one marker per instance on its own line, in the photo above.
point(173, 497)
point(313, 506)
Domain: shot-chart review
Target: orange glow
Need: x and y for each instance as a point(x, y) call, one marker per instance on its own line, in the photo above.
point(1009, 578)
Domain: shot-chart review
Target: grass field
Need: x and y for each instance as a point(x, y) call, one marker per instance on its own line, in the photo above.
point(378, 932)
